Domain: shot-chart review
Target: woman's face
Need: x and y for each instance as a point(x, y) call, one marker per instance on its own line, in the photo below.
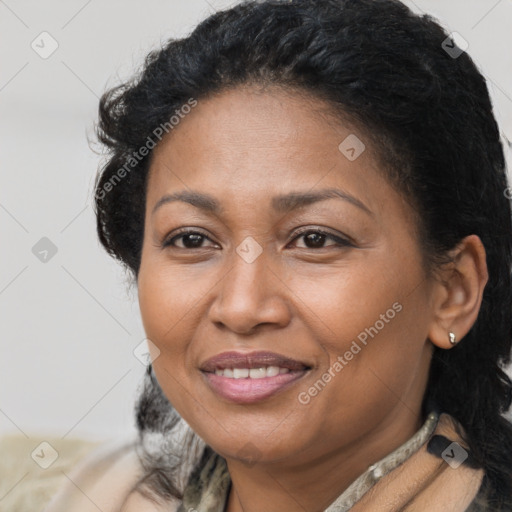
point(324, 299)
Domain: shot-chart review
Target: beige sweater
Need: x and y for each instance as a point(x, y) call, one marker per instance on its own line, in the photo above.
point(105, 477)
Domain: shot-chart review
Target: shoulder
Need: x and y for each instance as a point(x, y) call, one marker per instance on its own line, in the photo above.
point(106, 480)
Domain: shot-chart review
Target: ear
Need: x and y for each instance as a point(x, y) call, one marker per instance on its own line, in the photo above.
point(458, 292)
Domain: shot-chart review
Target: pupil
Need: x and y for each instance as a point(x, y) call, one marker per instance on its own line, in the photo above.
point(316, 238)
point(196, 239)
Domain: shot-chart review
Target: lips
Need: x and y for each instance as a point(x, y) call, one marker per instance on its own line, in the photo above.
point(247, 378)
point(250, 360)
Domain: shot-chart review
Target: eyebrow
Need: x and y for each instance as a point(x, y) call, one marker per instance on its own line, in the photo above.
point(282, 204)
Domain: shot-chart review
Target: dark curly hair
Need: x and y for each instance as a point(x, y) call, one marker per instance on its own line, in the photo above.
point(429, 117)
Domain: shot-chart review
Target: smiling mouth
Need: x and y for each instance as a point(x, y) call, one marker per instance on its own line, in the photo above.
point(246, 378)
point(248, 390)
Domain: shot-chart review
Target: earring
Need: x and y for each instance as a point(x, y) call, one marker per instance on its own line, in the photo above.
point(453, 339)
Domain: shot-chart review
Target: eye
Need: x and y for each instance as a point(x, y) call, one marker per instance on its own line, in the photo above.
point(315, 239)
point(191, 239)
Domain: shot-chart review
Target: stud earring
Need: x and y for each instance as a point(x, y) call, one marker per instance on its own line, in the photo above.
point(453, 339)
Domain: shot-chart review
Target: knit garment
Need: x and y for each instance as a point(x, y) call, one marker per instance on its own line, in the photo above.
point(208, 487)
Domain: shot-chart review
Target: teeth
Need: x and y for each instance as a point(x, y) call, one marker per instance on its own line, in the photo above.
point(240, 373)
point(252, 373)
point(257, 373)
point(272, 371)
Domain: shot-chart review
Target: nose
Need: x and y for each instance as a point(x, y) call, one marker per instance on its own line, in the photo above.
point(251, 294)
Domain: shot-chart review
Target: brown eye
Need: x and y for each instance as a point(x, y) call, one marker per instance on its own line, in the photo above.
point(316, 238)
point(190, 240)
point(313, 239)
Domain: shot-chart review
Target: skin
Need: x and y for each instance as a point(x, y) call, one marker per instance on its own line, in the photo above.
point(309, 302)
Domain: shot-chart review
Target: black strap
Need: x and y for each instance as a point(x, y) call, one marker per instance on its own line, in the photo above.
point(440, 447)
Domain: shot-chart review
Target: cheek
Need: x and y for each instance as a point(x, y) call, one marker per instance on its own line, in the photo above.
point(377, 359)
point(354, 297)
point(163, 310)
point(166, 299)
point(375, 321)
point(162, 304)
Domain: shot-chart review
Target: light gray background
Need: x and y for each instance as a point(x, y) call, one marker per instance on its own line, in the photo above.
point(69, 326)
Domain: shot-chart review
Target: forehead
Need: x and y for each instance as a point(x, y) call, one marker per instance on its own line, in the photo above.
point(253, 143)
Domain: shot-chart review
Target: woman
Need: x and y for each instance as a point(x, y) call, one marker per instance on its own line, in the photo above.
point(311, 197)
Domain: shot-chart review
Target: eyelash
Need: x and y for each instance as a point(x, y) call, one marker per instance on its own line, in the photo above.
point(340, 242)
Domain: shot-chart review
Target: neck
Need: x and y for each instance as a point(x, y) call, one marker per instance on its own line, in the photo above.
point(311, 482)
